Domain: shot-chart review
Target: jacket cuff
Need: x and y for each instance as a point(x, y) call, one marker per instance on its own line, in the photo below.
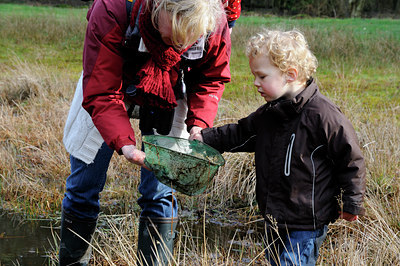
point(354, 209)
point(211, 139)
point(194, 122)
point(123, 142)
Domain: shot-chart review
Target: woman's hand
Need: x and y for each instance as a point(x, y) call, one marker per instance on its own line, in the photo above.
point(134, 155)
point(195, 133)
point(348, 216)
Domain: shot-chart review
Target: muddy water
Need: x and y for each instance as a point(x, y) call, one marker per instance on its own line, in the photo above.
point(23, 243)
point(28, 242)
point(224, 232)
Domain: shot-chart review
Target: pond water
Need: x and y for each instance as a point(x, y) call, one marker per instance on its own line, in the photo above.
point(23, 242)
point(27, 242)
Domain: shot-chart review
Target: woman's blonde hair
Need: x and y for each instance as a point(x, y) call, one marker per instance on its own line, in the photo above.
point(285, 49)
point(190, 18)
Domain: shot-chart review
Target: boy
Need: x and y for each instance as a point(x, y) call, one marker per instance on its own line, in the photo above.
point(307, 156)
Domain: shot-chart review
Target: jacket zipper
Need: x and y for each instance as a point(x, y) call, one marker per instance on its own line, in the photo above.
point(289, 155)
point(313, 185)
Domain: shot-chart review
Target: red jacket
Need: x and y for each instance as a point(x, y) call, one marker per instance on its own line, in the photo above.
point(233, 9)
point(104, 69)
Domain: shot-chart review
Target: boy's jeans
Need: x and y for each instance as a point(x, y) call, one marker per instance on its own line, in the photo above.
point(87, 181)
point(298, 247)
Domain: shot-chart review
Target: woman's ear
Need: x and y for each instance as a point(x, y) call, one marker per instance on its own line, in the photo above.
point(291, 75)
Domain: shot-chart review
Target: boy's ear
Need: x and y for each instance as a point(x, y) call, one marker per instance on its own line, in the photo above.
point(291, 74)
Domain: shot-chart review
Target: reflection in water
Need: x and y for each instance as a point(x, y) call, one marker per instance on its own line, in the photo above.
point(225, 232)
point(24, 242)
point(223, 235)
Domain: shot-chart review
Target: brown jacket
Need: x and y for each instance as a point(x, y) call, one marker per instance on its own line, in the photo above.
point(307, 158)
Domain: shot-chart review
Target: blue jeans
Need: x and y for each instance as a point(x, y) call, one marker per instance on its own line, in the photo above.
point(86, 181)
point(294, 247)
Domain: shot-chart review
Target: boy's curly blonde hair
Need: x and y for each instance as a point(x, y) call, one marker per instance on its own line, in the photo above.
point(285, 49)
point(190, 18)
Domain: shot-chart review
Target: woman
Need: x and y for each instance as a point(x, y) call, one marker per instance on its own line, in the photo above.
point(170, 60)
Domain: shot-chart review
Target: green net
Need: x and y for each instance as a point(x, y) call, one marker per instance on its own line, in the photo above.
point(188, 166)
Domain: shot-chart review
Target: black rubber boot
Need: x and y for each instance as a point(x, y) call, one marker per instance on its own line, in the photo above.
point(73, 247)
point(156, 240)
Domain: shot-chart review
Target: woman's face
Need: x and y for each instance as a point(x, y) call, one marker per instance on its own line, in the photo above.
point(165, 27)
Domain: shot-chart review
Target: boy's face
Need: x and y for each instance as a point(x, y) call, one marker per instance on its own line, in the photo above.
point(270, 80)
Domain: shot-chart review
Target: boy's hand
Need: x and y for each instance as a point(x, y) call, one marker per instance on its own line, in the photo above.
point(348, 216)
point(195, 133)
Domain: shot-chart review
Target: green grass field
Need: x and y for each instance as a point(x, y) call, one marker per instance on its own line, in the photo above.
point(359, 55)
point(359, 66)
point(363, 53)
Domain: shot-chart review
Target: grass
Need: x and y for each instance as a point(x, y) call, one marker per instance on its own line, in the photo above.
point(360, 56)
point(40, 62)
point(47, 35)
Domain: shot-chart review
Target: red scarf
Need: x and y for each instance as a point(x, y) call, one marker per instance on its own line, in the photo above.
point(154, 80)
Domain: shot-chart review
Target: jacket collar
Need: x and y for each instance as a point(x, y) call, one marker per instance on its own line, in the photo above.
point(287, 109)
